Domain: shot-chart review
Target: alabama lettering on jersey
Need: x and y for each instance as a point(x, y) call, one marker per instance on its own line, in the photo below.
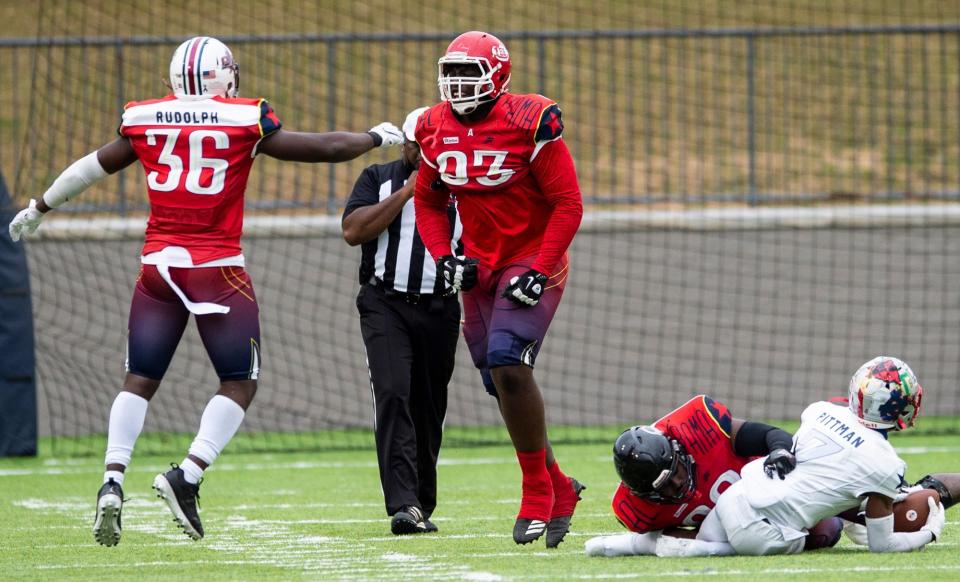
point(702, 426)
point(487, 167)
point(197, 155)
point(839, 461)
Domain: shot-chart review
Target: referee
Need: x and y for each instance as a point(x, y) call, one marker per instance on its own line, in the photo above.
point(410, 331)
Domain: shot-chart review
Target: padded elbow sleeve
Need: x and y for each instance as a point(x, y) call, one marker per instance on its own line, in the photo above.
point(81, 174)
point(755, 439)
point(931, 482)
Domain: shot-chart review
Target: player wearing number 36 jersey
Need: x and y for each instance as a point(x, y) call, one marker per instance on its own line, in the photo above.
point(196, 147)
point(197, 156)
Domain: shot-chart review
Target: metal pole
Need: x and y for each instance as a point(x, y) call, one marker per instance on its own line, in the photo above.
point(122, 187)
point(541, 65)
point(751, 127)
point(331, 121)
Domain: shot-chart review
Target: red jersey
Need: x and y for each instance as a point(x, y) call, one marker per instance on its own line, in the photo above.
point(197, 155)
point(513, 179)
point(702, 426)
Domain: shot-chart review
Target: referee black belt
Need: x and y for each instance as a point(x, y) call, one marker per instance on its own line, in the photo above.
point(391, 293)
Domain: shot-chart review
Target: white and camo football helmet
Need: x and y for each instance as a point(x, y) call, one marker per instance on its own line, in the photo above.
point(204, 67)
point(885, 394)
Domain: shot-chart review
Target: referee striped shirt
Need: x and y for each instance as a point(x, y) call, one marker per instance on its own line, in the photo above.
point(397, 258)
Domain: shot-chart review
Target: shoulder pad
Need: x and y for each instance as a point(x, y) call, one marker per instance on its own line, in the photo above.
point(720, 413)
point(269, 122)
point(550, 126)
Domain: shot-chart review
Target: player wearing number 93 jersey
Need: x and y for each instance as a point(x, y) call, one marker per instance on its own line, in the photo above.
point(503, 159)
point(196, 147)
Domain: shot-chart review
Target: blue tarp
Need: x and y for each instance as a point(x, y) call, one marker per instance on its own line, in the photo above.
point(18, 387)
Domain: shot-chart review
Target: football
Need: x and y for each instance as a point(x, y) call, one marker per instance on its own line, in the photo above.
point(911, 513)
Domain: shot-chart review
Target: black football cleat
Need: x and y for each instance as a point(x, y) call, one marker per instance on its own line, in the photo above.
point(106, 526)
point(560, 525)
point(408, 520)
point(429, 526)
point(528, 530)
point(181, 497)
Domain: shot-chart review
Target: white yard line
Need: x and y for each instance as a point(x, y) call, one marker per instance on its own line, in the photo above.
point(259, 542)
point(89, 465)
point(714, 570)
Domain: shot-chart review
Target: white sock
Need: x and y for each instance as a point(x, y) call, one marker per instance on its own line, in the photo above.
point(115, 475)
point(126, 422)
point(192, 472)
point(220, 421)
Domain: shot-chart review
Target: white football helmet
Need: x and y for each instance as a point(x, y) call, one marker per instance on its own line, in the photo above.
point(885, 393)
point(204, 67)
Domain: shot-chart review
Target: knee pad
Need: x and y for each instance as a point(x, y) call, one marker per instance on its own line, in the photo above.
point(488, 383)
point(929, 482)
point(506, 349)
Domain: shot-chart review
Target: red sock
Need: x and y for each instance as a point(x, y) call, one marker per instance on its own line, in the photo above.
point(537, 499)
point(564, 497)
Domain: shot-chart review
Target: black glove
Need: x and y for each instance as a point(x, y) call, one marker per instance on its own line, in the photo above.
point(779, 462)
point(459, 274)
point(527, 288)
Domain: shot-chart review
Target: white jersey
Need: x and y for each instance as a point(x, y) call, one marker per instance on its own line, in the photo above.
point(838, 462)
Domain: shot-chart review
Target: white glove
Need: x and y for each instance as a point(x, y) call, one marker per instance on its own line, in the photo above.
point(26, 221)
point(389, 134)
point(627, 544)
point(856, 533)
point(935, 519)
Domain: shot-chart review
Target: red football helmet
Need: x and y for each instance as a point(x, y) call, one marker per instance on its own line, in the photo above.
point(489, 56)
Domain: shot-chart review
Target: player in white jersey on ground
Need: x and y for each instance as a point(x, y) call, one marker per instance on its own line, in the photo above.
point(842, 457)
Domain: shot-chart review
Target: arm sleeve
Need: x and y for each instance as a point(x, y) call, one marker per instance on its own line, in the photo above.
point(627, 544)
point(366, 192)
point(431, 200)
point(882, 538)
point(755, 439)
point(553, 169)
point(79, 176)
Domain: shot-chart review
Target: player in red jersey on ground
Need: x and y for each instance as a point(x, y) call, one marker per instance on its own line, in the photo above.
point(674, 471)
point(196, 147)
point(502, 158)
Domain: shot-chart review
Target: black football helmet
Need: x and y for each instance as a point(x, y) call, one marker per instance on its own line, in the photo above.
point(646, 460)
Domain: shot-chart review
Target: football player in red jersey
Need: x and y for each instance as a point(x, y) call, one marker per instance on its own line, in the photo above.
point(502, 158)
point(196, 147)
point(674, 471)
